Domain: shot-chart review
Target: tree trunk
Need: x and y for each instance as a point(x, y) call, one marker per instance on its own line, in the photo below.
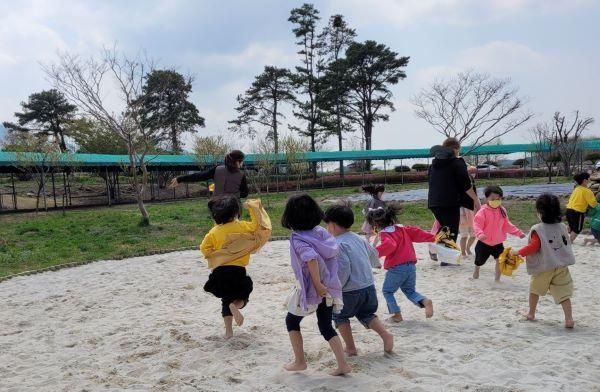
point(340, 140)
point(145, 221)
point(275, 130)
point(174, 140)
point(368, 132)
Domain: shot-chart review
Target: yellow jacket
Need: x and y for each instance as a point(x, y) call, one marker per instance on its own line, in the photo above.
point(232, 243)
point(582, 198)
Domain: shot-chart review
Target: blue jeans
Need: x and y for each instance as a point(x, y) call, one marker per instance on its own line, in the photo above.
point(403, 277)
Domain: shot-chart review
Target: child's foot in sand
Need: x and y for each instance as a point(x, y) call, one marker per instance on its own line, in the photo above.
point(228, 335)
point(476, 274)
point(397, 317)
point(569, 323)
point(340, 371)
point(295, 366)
point(528, 316)
point(428, 304)
point(351, 353)
point(388, 342)
point(237, 315)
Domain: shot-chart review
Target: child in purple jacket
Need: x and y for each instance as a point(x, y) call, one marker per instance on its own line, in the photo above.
point(313, 254)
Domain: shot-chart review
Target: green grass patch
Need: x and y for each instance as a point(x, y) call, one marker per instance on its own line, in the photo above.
point(34, 241)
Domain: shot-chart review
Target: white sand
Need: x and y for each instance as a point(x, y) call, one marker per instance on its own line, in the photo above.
point(146, 324)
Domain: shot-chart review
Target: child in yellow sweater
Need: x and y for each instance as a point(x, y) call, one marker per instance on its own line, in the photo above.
point(227, 247)
point(581, 199)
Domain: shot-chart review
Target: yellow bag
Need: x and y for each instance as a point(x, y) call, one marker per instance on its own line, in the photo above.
point(508, 262)
point(443, 238)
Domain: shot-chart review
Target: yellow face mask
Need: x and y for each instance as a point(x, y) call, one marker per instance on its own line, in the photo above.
point(495, 203)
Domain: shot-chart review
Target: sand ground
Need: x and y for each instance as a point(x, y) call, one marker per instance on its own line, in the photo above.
point(146, 324)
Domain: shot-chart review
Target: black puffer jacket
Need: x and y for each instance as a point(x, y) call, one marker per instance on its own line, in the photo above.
point(448, 180)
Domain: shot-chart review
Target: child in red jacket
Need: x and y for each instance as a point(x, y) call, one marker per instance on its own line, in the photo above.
point(491, 225)
point(396, 245)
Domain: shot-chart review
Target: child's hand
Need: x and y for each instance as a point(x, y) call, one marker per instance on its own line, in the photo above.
point(321, 290)
point(514, 252)
point(483, 237)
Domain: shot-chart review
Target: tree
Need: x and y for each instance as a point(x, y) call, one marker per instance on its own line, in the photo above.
point(334, 40)
point(260, 104)
point(543, 140)
point(369, 70)
point(166, 108)
point(473, 107)
point(210, 149)
point(305, 19)
point(567, 137)
point(295, 149)
point(37, 157)
point(45, 113)
point(86, 83)
point(92, 138)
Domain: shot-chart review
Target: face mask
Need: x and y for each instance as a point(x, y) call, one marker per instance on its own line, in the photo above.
point(495, 203)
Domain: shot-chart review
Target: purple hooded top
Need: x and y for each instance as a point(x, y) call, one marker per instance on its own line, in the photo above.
point(316, 244)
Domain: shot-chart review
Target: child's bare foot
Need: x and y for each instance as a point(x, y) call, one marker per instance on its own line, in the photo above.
point(528, 316)
point(228, 335)
point(388, 342)
point(397, 317)
point(428, 307)
point(351, 353)
point(569, 323)
point(295, 366)
point(476, 274)
point(237, 315)
point(341, 370)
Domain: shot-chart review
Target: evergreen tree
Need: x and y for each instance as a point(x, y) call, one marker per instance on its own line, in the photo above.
point(369, 70)
point(46, 114)
point(305, 20)
point(166, 107)
point(260, 104)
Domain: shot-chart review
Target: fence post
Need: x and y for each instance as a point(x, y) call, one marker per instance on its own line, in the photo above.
point(385, 172)
point(107, 182)
point(53, 188)
point(14, 190)
point(401, 172)
point(322, 183)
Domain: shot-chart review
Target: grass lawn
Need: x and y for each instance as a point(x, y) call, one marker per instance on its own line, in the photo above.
point(30, 241)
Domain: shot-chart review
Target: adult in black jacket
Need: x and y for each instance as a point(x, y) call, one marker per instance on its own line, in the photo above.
point(450, 186)
point(229, 179)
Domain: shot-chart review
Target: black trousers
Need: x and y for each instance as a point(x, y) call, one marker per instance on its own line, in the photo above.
point(324, 314)
point(448, 216)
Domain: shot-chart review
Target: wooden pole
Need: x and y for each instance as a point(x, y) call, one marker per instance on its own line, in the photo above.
point(14, 190)
point(53, 188)
point(107, 182)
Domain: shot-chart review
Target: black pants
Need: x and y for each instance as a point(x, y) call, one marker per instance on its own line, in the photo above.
point(448, 216)
point(324, 314)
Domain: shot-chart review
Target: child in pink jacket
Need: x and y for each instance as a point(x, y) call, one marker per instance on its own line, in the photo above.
point(491, 225)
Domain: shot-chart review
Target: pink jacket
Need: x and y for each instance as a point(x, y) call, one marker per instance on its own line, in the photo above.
point(397, 244)
point(494, 224)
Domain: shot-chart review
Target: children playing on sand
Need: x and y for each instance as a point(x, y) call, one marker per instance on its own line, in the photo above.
point(227, 247)
point(491, 225)
point(548, 254)
point(396, 245)
point(313, 254)
point(355, 260)
point(580, 200)
point(376, 201)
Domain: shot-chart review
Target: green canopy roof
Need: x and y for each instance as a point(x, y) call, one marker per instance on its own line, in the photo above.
point(104, 160)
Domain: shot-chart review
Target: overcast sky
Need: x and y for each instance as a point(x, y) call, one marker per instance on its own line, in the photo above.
point(549, 48)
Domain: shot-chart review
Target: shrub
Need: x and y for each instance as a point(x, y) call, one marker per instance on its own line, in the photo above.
point(402, 168)
point(420, 167)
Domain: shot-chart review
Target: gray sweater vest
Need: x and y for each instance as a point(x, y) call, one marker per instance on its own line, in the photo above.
point(555, 251)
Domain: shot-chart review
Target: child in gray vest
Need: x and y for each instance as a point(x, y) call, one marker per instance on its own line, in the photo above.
point(549, 252)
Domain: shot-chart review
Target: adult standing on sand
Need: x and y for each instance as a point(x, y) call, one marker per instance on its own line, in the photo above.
point(229, 179)
point(450, 186)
